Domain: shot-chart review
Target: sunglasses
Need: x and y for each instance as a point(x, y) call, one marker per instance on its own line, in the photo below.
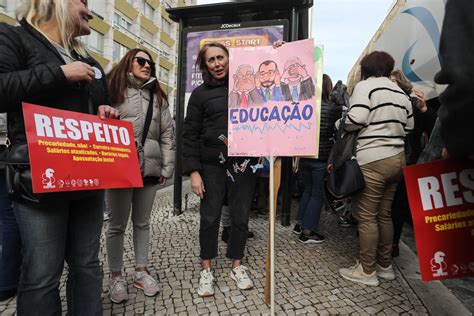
point(142, 61)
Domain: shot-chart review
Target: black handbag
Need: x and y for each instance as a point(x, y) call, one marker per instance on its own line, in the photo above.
point(346, 178)
point(18, 176)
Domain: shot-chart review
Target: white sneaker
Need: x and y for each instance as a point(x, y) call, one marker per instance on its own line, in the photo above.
point(145, 282)
point(118, 290)
point(241, 277)
point(206, 283)
point(356, 274)
point(385, 273)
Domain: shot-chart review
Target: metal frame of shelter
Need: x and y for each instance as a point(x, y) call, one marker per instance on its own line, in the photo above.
point(226, 15)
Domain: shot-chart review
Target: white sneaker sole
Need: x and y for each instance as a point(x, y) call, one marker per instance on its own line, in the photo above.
point(150, 294)
point(118, 301)
point(205, 293)
point(366, 282)
point(246, 287)
point(390, 276)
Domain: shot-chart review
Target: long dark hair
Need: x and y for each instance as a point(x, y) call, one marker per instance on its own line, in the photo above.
point(117, 78)
point(201, 57)
point(327, 88)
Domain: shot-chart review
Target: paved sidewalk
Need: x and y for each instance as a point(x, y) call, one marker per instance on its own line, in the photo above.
point(307, 275)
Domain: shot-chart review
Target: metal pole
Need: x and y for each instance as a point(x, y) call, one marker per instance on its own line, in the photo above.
point(271, 216)
point(286, 162)
point(178, 178)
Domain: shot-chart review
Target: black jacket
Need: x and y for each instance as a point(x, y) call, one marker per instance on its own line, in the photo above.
point(205, 125)
point(457, 67)
point(30, 72)
point(330, 113)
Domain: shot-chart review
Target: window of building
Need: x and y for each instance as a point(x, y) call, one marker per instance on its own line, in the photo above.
point(146, 36)
point(165, 51)
point(122, 22)
point(96, 6)
point(164, 75)
point(94, 41)
point(166, 26)
point(119, 51)
point(147, 10)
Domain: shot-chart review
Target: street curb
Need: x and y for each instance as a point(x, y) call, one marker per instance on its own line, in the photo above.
point(436, 297)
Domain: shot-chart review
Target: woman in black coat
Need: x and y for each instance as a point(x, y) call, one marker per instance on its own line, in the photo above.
point(213, 177)
point(42, 62)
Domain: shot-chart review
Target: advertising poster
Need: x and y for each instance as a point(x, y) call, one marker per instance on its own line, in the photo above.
point(441, 196)
point(272, 109)
point(231, 38)
point(71, 151)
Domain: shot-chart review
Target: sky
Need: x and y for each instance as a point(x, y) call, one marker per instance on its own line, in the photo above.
point(344, 27)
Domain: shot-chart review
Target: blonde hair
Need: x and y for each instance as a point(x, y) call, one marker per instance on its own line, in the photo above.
point(402, 81)
point(37, 12)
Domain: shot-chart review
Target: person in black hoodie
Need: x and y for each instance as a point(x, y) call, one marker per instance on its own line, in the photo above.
point(213, 176)
point(42, 62)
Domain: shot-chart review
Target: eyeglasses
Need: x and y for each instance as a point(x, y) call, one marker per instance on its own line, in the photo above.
point(268, 73)
point(248, 75)
point(142, 61)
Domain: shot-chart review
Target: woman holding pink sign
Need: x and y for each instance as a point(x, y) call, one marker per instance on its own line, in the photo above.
point(215, 177)
point(136, 92)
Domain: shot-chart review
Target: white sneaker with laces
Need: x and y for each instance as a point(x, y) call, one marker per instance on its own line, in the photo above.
point(118, 290)
point(385, 273)
point(206, 283)
point(242, 279)
point(356, 274)
point(146, 282)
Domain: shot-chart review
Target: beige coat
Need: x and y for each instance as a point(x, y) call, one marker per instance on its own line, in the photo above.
point(159, 148)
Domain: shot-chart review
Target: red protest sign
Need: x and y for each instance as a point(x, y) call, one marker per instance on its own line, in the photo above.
point(441, 196)
point(72, 151)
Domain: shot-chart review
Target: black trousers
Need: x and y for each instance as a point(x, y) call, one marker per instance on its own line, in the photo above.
point(400, 211)
point(238, 187)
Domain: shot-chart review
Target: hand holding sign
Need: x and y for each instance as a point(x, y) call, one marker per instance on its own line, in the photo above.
point(105, 111)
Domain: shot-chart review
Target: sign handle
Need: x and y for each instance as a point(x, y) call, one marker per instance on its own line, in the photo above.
point(274, 185)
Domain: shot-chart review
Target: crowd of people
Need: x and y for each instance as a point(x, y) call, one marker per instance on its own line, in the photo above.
point(43, 62)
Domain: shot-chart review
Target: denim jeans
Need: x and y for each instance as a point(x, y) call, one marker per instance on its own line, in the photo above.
point(312, 201)
point(67, 231)
point(10, 259)
point(239, 189)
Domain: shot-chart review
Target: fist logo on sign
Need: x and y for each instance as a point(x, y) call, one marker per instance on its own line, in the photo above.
point(47, 178)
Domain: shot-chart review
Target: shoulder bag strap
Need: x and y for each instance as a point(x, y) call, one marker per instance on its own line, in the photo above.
point(149, 113)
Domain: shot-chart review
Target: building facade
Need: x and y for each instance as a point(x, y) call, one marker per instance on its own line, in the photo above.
point(119, 25)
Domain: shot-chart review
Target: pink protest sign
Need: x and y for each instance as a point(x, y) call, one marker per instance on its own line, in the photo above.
point(272, 109)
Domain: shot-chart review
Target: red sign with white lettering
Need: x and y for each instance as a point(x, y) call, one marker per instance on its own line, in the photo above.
point(72, 151)
point(441, 196)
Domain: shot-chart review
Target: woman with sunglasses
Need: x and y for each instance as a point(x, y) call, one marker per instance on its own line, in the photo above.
point(135, 91)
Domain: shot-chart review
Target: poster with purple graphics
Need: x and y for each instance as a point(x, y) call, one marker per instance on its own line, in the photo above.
point(272, 106)
point(252, 36)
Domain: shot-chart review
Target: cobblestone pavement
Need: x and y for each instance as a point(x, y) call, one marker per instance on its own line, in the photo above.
point(307, 279)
